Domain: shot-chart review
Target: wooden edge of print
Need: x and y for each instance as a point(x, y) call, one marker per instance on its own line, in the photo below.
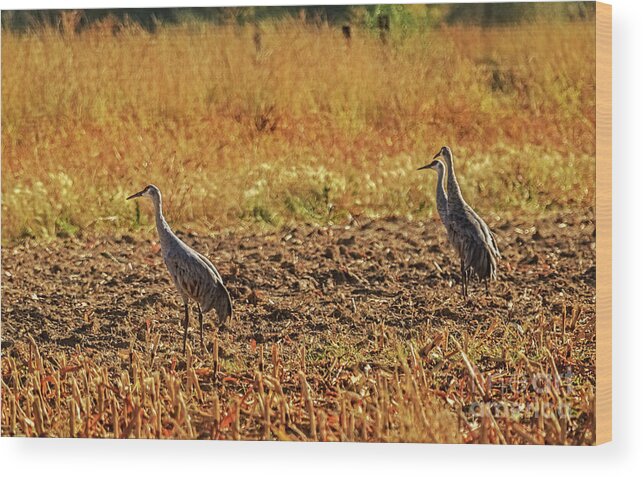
point(603, 411)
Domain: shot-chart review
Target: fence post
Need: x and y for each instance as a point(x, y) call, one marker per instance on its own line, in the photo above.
point(384, 25)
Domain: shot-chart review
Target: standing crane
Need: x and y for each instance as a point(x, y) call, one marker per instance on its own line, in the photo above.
point(468, 233)
point(193, 274)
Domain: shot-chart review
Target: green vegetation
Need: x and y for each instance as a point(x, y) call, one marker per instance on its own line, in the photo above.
point(399, 16)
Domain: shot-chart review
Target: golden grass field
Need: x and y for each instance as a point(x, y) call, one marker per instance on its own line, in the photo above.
point(306, 130)
point(293, 165)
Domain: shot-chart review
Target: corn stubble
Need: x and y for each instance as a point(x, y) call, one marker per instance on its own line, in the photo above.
point(431, 391)
point(77, 398)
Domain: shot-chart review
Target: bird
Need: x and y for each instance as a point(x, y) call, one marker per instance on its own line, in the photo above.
point(469, 234)
point(194, 276)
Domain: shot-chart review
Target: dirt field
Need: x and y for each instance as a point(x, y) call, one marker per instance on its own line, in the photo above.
point(339, 302)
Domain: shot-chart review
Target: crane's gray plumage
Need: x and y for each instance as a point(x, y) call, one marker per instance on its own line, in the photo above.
point(194, 275)
point(467, 232)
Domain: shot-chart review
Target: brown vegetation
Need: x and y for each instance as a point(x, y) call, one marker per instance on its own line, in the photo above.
point(307, 129)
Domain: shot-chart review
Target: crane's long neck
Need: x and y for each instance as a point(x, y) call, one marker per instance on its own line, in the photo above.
point(455, 194)
point(162, 227)
point(441, 195)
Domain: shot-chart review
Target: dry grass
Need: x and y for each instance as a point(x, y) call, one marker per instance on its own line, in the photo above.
point(275, 400)
point(307, 129)
point(431, 391)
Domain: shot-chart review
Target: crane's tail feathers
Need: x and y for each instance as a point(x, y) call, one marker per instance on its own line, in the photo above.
point(226, 309)
point(221, 303)
point(482, 260)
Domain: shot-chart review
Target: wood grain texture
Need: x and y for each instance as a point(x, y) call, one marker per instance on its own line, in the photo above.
point(603, 223)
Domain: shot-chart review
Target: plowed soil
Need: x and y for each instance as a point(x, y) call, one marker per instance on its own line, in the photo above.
point(317, 286)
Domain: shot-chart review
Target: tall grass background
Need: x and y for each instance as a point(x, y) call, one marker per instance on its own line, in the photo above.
point(307, 127)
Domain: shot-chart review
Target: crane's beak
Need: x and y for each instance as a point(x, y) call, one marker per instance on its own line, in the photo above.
point(424, 167)
point(138, 194)
point(437, 155)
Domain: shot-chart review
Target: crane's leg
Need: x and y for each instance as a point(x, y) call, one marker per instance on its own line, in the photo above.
point(201, 324)
point(463, 273)
point(185, 324)
point(462, 277)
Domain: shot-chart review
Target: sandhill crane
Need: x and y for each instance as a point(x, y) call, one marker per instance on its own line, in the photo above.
point(468, 233)
point(193, 274)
